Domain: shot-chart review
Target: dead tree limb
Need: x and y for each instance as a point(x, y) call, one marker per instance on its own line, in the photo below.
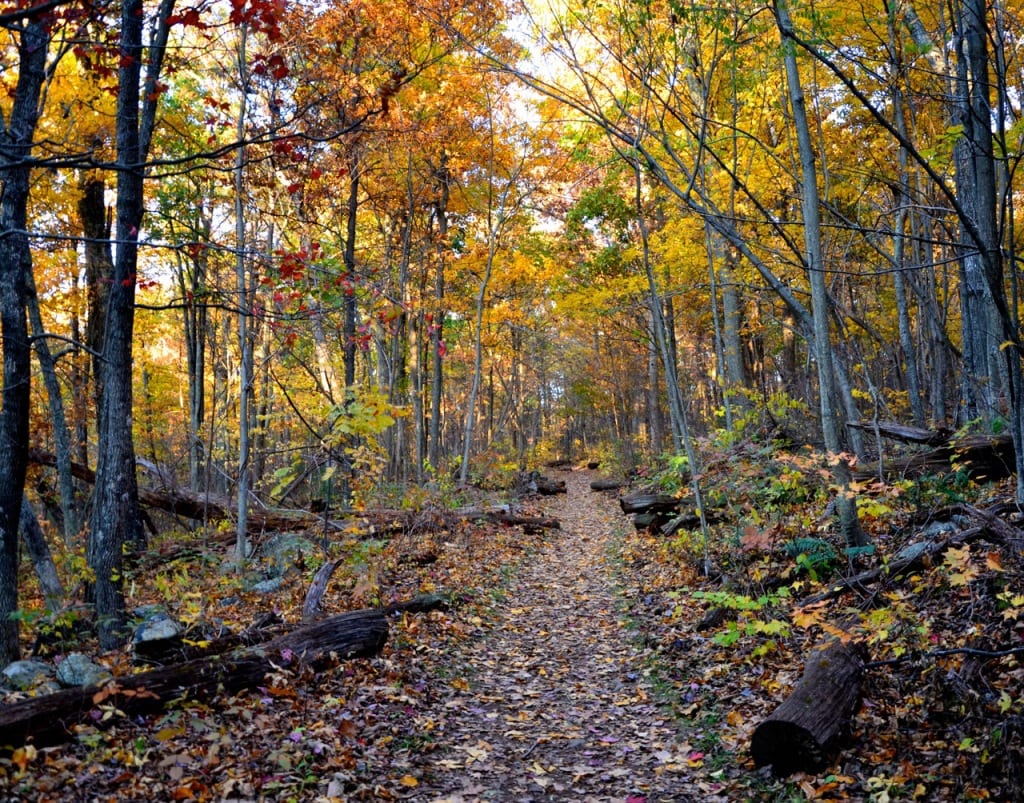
point(914, 557)
point(904, 433)
point(50, 719)
point(311, 606)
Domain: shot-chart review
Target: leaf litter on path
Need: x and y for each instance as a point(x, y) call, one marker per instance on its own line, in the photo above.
point(556, 701)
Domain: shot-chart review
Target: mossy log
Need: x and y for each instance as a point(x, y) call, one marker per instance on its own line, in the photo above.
point(806, 729)
point(50, 719)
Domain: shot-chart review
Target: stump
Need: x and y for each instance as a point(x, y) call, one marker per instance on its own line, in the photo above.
point(806, 728)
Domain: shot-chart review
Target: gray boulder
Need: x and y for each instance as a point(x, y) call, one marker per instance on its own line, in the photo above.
point(25, 675)
point(158, 637)
point(268, 586)
point(78, 669)
point(283, 551)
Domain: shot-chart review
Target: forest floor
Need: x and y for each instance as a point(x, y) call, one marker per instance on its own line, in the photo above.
point(569, 667)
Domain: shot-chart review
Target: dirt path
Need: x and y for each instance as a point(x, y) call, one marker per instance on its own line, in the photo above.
point(556, 702)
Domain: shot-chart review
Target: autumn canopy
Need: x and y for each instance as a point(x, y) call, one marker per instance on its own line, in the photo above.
point(260, 257)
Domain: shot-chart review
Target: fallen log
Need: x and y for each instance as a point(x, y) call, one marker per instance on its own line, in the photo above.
point(196, 505)
point(691, 521)
point(193, 645)
point(50, 719)
point(213, 507)
point(527, 522)
point(982, 457)
point(904, 433)
point(549, 487)
point(807, 727)
point(421, 603)
point(409, 521)
point(607, 485)
point(652, 521)
point(648, 503)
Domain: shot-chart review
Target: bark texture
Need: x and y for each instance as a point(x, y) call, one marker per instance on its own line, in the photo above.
point(804, 730)
point(15, 266)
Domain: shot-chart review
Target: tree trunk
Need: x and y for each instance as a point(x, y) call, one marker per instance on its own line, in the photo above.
point(804, 730)
point(192, 270)
point(61, 432)
point(820, 308)
point(434, 449)
point(116, 518)
point(15, 266)
point(50, 719)
point(99, 269)
point(245, 308)
point(42, 560)
point(732, 321)
point(903, 201)
point(496, 219)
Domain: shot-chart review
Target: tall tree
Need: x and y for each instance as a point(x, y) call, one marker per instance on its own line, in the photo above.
point(32, 33)
point(820, 303)
point(116, 517)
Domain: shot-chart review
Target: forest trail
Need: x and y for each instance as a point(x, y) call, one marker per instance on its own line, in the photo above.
point(555, 701)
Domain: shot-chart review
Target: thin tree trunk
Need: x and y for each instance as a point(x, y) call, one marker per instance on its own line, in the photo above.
point(245, 307)
point(434, 446)
point(192, 284)
point(349, 257)
point(654, 417)
point(820, 309)
point(42, 559)
point(55, 400)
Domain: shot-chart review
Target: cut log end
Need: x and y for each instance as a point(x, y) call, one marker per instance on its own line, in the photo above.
point(807, 727)
point(787, 747)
